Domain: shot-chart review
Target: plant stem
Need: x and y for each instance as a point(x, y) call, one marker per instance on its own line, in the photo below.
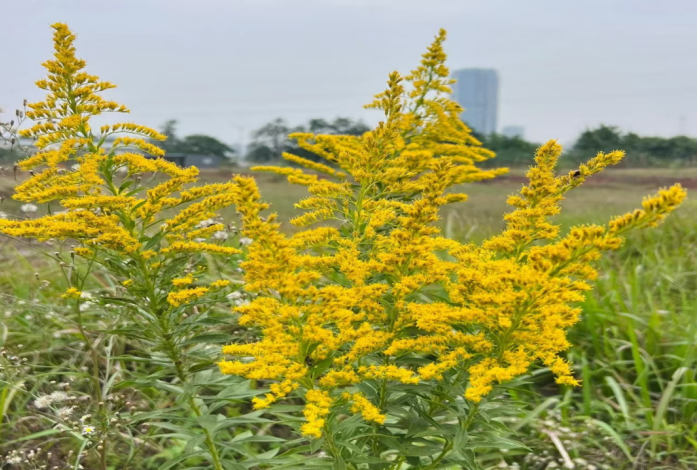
point(191, 398)
point(449, 445)
point(97, 384)
point(174, 356)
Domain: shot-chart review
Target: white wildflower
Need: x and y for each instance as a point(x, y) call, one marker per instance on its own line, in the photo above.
point(43, 402)
point(206, 223)
point(235, 295)
point(59, 396)
point(28, 208)
point(15, 458)
point(245, 241)
point(88, 430)
point(65, 412)
point(220, 235)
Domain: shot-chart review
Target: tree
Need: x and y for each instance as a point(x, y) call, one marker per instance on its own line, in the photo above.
point(172, 144)
point(205, 145)
point(603, 139)
point(273, 138)
point(510, 151)
point(192, 144)
point(641, 151)
point(340, 126)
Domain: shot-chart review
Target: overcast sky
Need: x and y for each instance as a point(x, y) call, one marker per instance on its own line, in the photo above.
point(226, 67)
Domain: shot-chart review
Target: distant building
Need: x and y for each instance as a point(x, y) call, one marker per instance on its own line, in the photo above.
point(200, 161)
point(513, 131)
point(476, 91)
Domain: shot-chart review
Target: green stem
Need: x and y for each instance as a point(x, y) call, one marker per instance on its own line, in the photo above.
point(449, 445)
point(174, 357)
point(95, 358)
point(191, 397)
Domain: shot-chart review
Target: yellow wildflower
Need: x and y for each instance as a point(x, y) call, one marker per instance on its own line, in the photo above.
point(95, 174)
point(183, 281)
point(219, 283)
point(318, 404)
point(340, 308)
point(186, 295)
point(72, 293)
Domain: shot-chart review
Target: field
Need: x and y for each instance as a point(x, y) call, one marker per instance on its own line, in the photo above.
point(634, 349)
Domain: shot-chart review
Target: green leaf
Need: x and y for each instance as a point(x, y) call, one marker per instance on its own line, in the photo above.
point(248, 436)
point(36, 435)
point(173, 462)
point(206, 338)
point(616, 437)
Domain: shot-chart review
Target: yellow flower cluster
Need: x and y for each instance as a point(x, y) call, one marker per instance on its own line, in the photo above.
point(104, 206)
point(339, 306)
point(318, 405)
point(72, 293)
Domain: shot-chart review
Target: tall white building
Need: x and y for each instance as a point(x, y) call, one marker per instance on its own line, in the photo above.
point(476, 91)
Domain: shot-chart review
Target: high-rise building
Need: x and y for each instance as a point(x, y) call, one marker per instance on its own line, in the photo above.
point(476, 91)
point(513, 131)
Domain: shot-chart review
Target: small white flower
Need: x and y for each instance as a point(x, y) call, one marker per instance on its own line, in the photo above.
point(85, 295)
point(206, 223)
point(88, 430)
point(199, 240)
point(234, 295)
point(28, 208)
point(15, 458)
point(220, 235)
point(75, 167)
point(3, 215)
point(43, 402)
point(245, 241)
point(65, 412)
point(58, 396)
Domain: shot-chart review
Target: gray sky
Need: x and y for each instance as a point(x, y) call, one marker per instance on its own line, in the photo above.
point(226, 67)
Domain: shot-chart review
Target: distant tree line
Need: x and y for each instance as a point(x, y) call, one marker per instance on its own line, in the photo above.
point(273, 138)
point(641, 151)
